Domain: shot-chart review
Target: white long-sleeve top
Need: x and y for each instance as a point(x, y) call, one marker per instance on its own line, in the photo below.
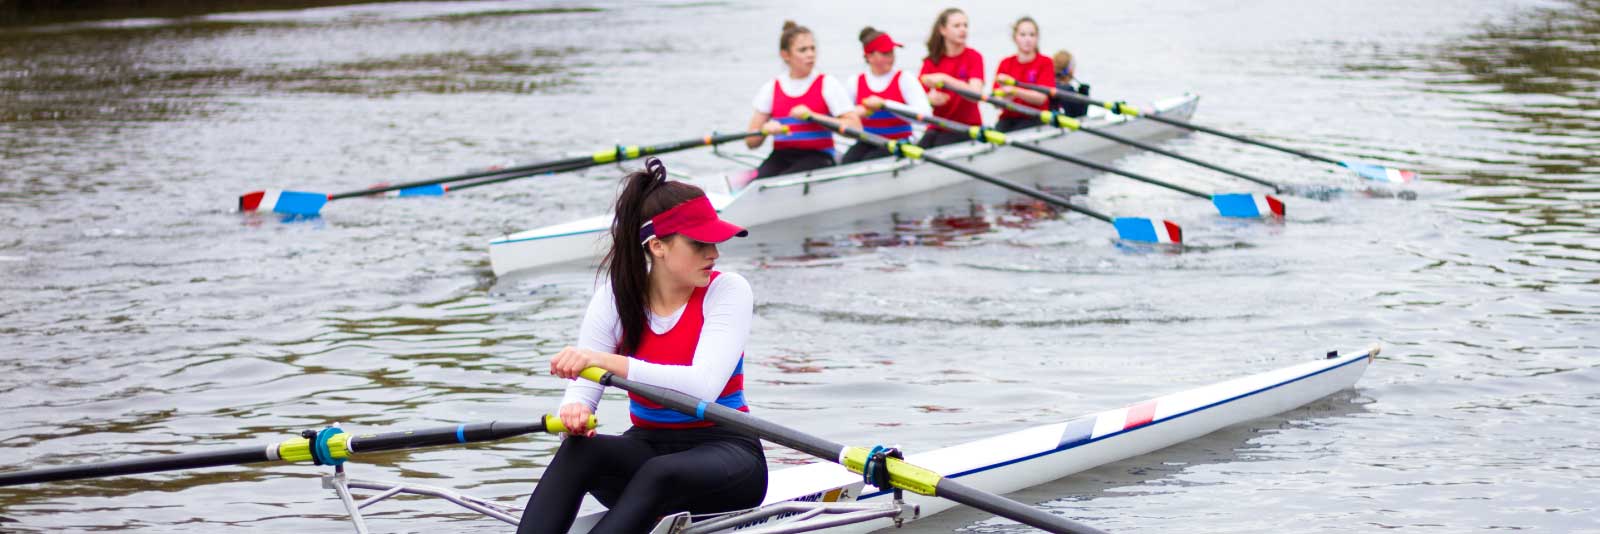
point(729, 307)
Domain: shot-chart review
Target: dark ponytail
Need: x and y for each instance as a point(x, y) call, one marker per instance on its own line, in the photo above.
point(868, 34)
point(645, 194)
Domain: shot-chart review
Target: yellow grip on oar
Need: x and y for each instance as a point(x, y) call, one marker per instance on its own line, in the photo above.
point(901, 474)
point(299, 449)
point(1057, 119)
point(554, 425)
point(979, 133)
point(608, 156)
point(904, 149)
point(593, 374)
point(1121, 108)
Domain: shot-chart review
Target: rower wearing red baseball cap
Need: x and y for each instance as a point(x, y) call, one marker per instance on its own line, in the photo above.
point(664, 317)
point(780, 103)
point(879, 83)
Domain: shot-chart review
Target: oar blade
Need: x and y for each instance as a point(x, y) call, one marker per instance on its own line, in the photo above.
point(1380, 173)
point(431, 190)
point(1147, 230)
point(1248, 205)
point(285, 202)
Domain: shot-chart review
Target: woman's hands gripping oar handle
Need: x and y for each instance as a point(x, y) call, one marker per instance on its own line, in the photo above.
point(1227, 204)
point(1063, 121)
point(330, 446)
point(902, 475)
point(1129, 228)
point(1369, 171)
point(310, 203)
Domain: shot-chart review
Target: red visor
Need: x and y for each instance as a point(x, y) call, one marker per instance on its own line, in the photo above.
point(881, 43)
point(695, 219)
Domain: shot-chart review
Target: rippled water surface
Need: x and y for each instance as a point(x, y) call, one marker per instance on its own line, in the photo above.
point(141, 316)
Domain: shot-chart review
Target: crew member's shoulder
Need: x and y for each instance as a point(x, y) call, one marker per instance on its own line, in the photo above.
point(730, 282)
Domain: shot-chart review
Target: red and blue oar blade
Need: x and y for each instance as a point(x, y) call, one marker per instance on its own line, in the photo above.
point(1148, 230)
point(1380, 173)
point(1248, 205)
point(285, 202)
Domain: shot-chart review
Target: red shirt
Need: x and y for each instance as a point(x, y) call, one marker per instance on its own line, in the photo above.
point(964, 66)
point(1042, 71)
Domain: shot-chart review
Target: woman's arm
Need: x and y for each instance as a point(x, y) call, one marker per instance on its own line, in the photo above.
point(729, 308)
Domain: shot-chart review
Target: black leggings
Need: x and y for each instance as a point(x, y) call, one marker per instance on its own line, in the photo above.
point(643, 475)
point(791, 160)
point(933, 138)
point(862, 151)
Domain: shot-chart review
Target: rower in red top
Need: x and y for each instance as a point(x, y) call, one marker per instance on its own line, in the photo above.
point(663, 316)
point(882, 82)
point(950, 62)
point(780, 103)
point(1028, 66)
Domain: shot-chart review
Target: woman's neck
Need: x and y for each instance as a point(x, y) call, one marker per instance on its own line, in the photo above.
point(797, 74)
point(1027, 57)
point(666, 296)
point(953, 50)
point(883, 71)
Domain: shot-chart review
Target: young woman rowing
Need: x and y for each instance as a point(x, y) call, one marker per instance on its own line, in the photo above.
point(806, 146)
point(951, 62)
point(1028, 65)
point(882, 82)
point(664, 317)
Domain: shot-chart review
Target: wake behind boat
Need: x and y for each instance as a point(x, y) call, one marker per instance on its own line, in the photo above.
point(788, 197)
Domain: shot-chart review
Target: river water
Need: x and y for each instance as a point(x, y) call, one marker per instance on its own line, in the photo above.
point(140, 315)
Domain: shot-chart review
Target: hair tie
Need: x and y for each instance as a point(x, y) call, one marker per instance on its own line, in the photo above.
point(657, 169)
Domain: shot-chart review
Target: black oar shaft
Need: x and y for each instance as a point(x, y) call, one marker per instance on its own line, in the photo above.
point(602, 157)
point(1062, 93)
point(1014, 107)
point(956, 126)
point(880, 141)
point(830, 451)
point(290, 450)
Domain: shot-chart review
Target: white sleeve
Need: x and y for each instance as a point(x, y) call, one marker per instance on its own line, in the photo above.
point(836, 96)
point(729, 307)
point(763, 100)
point(916, 96)
point(600, 331)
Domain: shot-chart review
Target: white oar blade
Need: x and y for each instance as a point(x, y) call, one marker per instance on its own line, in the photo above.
point(1381, 173)
point(285, 202)
point(1148, 230)
point(1248, 205)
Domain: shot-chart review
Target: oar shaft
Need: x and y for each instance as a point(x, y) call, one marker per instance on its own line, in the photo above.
point(833, 452)
point(135, 466)
point(1001, 140)
point(996, 180)
point(1061, 93)
point(620, 153)
point(1014, 107)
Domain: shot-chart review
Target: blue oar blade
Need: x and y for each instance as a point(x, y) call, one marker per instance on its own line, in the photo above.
point(285, 202)
point(1248, 205)
point(1148, 230)
point(1380, 173)
point(433, 190)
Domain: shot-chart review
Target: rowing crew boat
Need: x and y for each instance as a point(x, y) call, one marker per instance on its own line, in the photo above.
point(788, 197)
point(819, 496)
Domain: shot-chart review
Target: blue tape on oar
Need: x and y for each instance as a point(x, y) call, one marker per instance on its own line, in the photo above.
point(1380, 173)
point(1247, 205)
point(299, 203)
point(1147, 230)
point(434, 190)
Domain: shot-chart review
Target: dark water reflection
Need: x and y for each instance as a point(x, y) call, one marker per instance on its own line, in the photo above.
point(139, 317)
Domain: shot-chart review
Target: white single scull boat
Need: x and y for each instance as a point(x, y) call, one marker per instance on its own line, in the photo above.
point(787, 197)
point(826, 497)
